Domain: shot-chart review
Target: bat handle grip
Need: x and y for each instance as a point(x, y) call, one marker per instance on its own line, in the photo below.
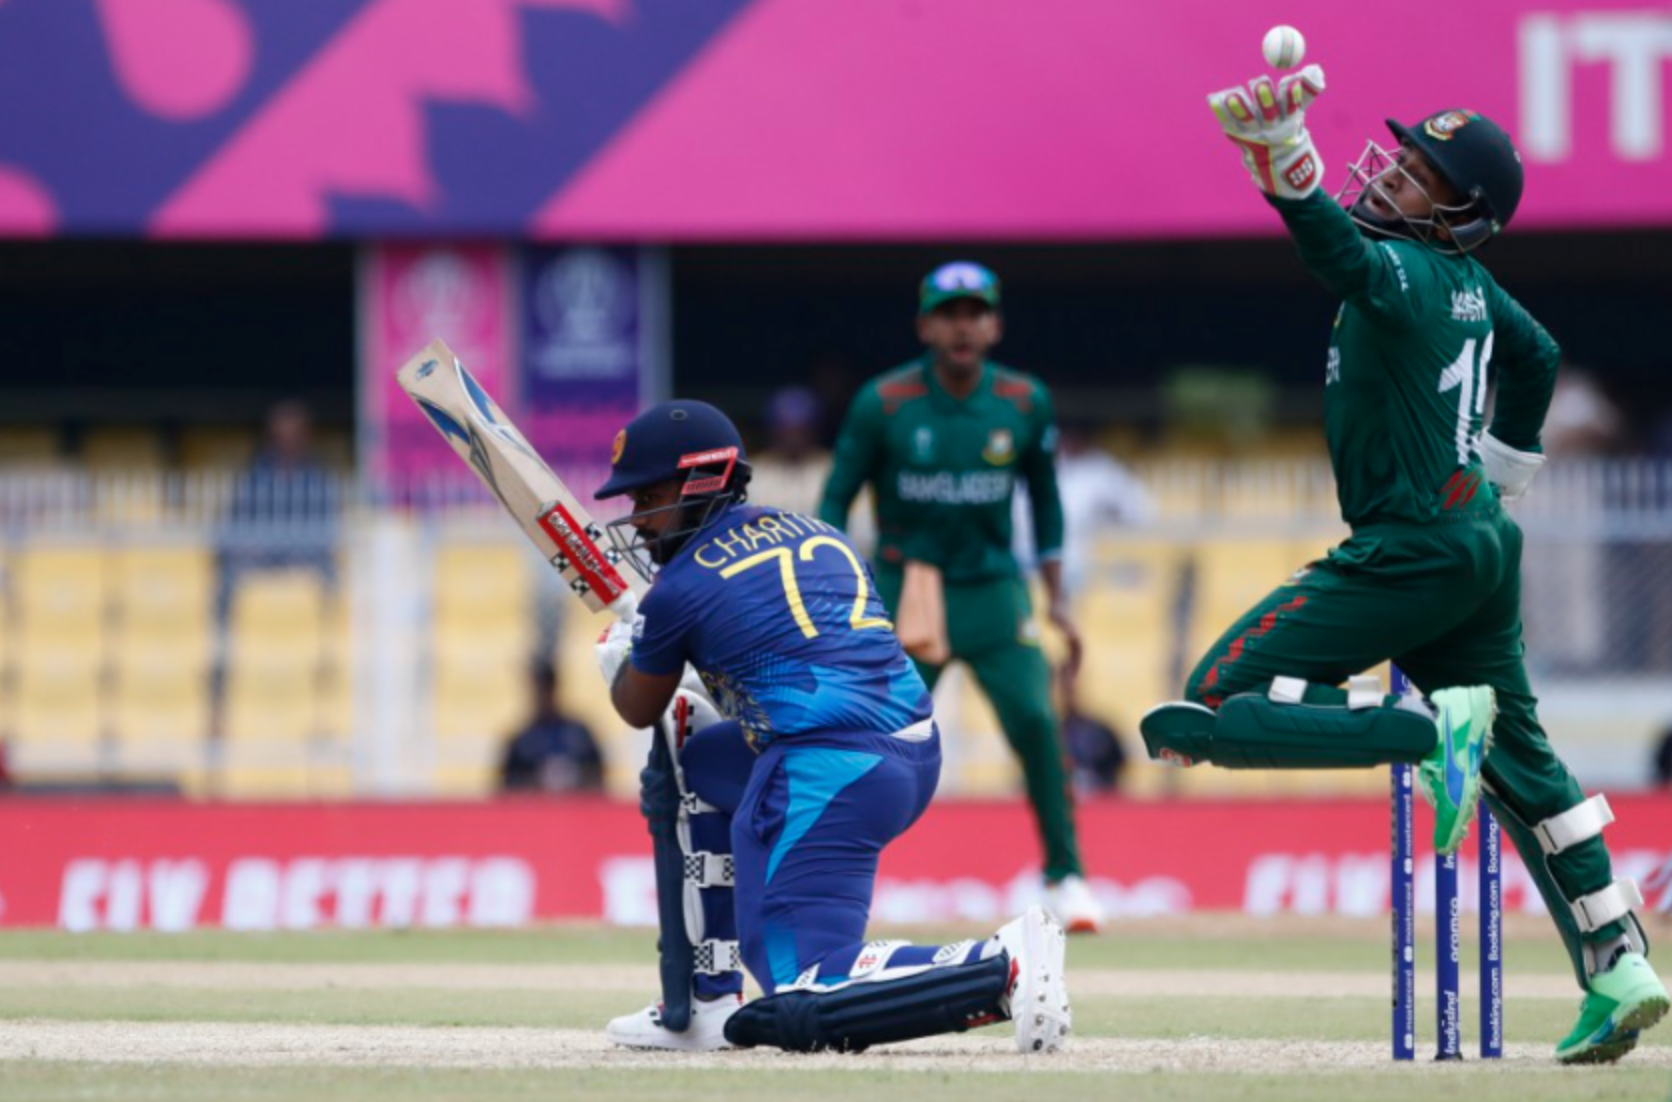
point(624, 607)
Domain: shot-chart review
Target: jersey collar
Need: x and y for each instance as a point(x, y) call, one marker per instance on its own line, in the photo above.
point(944, 401)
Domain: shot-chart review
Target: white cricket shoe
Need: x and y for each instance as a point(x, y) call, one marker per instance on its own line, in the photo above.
point(1038, 995)
point(707, 1032)
point(1071, 902)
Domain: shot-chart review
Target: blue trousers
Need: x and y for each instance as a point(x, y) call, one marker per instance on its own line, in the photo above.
point(807, 819)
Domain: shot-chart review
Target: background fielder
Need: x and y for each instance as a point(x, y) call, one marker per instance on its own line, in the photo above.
point(944, 441)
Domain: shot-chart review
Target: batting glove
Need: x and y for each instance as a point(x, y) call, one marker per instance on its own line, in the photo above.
point(616, 644)
point(1510, 470)
point(1269, 125)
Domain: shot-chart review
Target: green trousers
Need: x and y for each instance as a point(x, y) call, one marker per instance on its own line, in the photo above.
point(1442, 600)
point(993, 632)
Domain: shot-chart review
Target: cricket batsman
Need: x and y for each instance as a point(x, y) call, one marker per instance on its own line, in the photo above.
point(946, 440)
point(1430, 576)
point(818, 749)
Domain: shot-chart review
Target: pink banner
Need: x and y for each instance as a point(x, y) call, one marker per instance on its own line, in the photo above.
point(678, 120)
point(124, 865)
point(410, 295)
point(1085, 118)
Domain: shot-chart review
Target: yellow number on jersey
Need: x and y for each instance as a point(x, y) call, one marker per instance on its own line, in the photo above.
point(792, 587)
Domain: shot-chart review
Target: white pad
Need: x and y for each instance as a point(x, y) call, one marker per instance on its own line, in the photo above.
point(1578, 823)
point(1287, 690)
point(710, 870)
point(1593, 912)
point(716, 958)
point(1364, 691)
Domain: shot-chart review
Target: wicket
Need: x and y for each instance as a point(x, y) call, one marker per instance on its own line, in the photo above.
point(1448, 921)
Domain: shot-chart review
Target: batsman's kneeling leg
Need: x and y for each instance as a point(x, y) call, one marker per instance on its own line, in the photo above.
point(855, 1016)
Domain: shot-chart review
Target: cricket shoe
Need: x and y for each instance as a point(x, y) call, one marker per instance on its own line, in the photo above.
point(1620, 1004)
point(1072, 904)
point(1037, 999)
point(706, 1033)
point(1450, 774)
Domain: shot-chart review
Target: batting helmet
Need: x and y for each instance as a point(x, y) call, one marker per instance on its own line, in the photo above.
point(674, 440)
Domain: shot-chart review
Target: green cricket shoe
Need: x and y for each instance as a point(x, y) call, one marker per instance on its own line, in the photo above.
point(1621, 1003)
point(1450, 774)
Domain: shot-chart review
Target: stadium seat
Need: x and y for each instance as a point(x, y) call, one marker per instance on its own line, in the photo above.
point(162, 596)
point(58, 715)
point(60, 591)
point(122, 448)
point(159, 697)
point(216, 447)
point(28, 446)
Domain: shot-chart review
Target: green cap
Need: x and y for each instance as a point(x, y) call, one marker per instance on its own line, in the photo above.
point(960, 279)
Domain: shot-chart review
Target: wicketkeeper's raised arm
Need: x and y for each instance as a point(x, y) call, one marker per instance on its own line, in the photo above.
point(1268, 124)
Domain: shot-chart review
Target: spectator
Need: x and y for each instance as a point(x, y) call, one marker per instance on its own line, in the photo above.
point(1098, 493)
point(1663, 760)
point(1094, 747)
point(1583, 421)
point(283, 508)
point(791, 469)
point(552, 752)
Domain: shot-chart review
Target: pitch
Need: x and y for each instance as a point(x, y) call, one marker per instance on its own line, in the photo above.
point(1207, 1007)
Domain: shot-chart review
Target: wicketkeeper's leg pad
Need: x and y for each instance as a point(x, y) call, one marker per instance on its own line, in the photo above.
point(1276, 730)
point(854, 1016)
point(1578, 918)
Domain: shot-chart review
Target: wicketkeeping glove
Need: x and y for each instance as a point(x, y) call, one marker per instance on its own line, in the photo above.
point(1510, 470)
point(1269, 125)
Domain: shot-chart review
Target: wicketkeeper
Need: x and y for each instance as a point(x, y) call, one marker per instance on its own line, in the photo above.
point(1431, 574)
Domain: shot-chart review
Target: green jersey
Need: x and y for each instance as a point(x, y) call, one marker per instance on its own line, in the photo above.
point(945, 469)
point(1405, 381)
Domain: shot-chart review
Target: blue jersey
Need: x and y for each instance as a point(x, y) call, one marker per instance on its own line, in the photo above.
point(781, 618)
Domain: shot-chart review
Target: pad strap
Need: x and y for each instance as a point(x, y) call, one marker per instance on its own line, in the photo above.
point(1593, 912)
point(716, 958)
point(1364, 690)
point(710, 870)
point(1288, 690)
point(693, 804)
point(1579, 823)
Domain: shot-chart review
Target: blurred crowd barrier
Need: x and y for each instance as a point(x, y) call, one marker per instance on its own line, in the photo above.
point(181, 630)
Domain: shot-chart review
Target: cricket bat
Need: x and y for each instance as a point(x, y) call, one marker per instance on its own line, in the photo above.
point(472, 422)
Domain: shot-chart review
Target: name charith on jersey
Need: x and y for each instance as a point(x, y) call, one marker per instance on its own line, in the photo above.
point(780, 616)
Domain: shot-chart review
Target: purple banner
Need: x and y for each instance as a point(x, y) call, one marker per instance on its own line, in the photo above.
point(593, 351)
point(410, 295)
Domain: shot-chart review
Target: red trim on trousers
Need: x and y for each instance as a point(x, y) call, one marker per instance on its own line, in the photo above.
point(1234, 651)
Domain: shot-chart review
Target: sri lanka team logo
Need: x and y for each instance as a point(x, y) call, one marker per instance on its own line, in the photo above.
point(618, 447)
point(1444, 125)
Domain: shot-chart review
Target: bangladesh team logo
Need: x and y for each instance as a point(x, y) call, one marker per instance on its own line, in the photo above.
point(1001, 447)
point(1446, 124)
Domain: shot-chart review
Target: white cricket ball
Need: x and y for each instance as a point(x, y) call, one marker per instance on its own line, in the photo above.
point(1284, 47)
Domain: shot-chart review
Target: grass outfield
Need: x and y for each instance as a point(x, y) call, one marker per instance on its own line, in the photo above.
point(1209, 1007)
